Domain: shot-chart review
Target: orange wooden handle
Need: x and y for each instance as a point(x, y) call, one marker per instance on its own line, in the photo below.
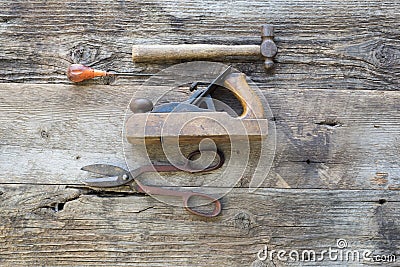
point(78, 73)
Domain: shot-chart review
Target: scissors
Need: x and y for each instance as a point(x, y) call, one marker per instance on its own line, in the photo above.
point(117, 176)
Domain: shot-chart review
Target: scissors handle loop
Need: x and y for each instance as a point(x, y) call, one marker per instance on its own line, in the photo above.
point(210, 200)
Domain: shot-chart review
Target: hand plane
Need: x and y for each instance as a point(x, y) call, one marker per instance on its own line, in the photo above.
point(196, 118)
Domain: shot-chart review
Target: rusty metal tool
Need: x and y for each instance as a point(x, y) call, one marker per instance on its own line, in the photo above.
point(196, 118)
point(158, 53)
point(78, 73)
point(117, 176)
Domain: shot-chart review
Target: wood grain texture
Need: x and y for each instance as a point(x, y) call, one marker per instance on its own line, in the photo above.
point(119, 230)
point(334, 100)
point(322, 45)
point(325, 138)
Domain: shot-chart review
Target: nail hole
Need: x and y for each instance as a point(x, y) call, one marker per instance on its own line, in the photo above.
point(308, 161)
point(44, 134)
point(58, 207)
point(78, 157)
point(382, 201)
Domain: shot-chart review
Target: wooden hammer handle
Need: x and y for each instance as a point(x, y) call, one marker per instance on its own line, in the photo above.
point(146, 53)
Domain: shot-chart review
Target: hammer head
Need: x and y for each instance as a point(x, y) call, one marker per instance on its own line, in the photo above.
point(268, 48)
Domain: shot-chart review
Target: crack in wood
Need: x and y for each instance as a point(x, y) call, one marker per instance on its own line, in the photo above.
point(58, 206)
point(330, 123)
point(145, 209)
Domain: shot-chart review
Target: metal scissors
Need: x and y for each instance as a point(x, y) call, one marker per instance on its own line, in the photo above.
point(117, 176)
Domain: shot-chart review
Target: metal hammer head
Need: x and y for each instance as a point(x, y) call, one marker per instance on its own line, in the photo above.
point(268, 48)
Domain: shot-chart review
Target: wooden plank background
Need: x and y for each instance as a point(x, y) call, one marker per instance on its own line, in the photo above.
point(334, 95)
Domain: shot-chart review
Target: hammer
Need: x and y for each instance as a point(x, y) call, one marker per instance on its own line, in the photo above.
point(156, 53)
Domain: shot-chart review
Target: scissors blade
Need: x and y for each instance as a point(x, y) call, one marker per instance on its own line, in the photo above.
point(104, 169)
point(111, 181)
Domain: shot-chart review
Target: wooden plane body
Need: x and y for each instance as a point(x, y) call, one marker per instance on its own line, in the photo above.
point(192, 127)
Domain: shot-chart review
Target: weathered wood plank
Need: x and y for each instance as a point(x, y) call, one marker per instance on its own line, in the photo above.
point(88, 229)
point(335, 136)
point(325, 138)
point(322, 45)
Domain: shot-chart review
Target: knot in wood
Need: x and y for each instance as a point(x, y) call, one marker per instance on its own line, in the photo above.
point(242, 220)
point(385, 56)
point(84, 53)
